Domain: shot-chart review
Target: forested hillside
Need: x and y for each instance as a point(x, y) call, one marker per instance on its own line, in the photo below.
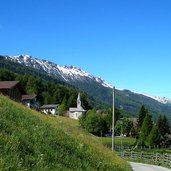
point(99, 96)
point(50, 92)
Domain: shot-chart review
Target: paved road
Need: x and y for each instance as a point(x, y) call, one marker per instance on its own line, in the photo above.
point(146, 167)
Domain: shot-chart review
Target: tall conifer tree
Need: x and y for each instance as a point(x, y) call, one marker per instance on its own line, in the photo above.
point(142, 114)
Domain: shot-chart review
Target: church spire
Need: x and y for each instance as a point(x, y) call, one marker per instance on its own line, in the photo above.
point(78, 101)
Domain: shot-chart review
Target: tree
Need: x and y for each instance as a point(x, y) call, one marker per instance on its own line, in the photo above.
point(142, 114)
point(154, 137)
point(127, 125)
point(85, 102)
point(6, 75)
point(118, 128)
point(82, 120)
point(163, 126)
point(94, 123)
point(46, 98)
point(62, 108)
point(109, 117)
point(34, 85)
point(133, 132)
point(145, 129)
point(72, 101)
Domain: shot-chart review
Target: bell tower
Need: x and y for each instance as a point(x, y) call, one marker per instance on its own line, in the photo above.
point(78, 101)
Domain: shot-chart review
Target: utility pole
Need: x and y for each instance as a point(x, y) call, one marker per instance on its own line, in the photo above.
point(113, 120)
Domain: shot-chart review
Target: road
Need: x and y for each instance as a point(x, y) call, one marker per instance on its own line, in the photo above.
point(147, 167)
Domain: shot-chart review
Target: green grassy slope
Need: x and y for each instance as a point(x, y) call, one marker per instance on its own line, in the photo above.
point(33, 141)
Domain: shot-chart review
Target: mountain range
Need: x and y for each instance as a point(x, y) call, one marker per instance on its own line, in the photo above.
point(127, 101)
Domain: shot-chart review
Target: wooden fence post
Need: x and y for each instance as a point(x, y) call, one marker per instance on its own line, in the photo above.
point(131, 155)
point(142, 155)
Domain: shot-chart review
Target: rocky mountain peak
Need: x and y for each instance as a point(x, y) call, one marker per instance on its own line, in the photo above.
point(67, 73)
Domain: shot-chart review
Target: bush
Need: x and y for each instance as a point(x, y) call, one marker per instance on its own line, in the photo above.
point(94, 123)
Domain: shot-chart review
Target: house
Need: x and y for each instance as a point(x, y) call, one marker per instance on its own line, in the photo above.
point(76, 113)
point(30, 101)
point(11, 89)
point(49, 109)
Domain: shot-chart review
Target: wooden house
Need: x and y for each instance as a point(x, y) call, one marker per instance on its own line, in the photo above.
point(11, 89)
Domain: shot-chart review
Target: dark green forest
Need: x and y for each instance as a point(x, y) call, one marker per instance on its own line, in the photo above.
point(48, 92)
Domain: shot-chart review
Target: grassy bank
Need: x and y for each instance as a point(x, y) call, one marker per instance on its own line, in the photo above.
point(33, 141)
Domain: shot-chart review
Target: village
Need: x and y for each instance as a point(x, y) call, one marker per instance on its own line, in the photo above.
point(12, 89)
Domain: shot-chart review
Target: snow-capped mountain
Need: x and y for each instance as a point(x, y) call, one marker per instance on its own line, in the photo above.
point(128, 101)
point(163, 100)
point(67, 73)
point(70, 74)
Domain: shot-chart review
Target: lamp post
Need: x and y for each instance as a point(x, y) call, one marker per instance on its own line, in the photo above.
point(113, 120)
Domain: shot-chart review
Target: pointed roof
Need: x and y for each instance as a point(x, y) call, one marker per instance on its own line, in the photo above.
point(8, 84)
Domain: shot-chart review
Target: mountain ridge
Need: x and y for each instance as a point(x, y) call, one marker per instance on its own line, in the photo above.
point(70, 72)
point(127, 101)
point(67, 72)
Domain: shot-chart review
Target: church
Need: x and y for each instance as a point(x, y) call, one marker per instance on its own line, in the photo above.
point(76, 113)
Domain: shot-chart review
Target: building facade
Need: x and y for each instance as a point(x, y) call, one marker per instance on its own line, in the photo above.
point(50, 109)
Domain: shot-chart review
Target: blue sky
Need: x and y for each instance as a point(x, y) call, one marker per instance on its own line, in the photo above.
point(126, 42)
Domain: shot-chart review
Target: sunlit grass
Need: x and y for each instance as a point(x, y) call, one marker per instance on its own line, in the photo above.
point(30, 140)
point(125, 141)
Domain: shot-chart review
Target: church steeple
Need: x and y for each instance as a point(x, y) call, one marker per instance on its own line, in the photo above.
point(78, 101)
point(76, 113)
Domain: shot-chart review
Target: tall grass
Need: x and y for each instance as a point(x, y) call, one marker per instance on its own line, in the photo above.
point(125, 141)
point(33, 141)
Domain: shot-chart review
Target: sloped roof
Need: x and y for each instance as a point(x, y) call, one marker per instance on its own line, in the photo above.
point(28, 97)
point(72, 109)
point(49, 106)
point(8, 84)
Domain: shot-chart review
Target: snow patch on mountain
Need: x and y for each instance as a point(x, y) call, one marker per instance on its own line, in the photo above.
point(67, 73)
point(71, 73)
point(105, 84)
point(163, 100)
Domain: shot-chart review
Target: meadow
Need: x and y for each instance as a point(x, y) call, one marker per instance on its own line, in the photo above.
point(129, 144)
point(125, 141)
point(30, 140)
